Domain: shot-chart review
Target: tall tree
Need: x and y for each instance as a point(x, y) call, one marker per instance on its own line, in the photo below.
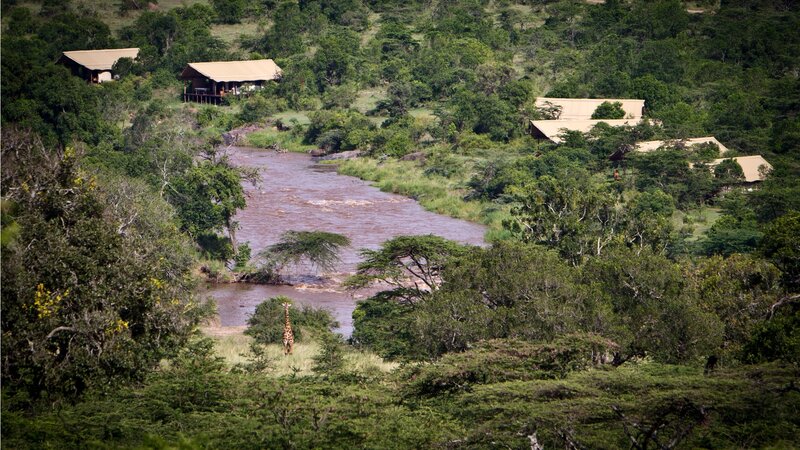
point(96, 281)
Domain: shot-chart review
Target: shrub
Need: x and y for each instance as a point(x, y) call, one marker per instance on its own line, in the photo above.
point(501, 360)
point(331, 356)
point(609, 110)
point(383, 325)
point(266, 323)
point(256, 108)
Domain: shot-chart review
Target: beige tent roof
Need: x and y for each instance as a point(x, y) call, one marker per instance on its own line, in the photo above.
point(649, 146)
point(750, 166)
point(583, 108)
point(220, 71)
point(551, 129)
point(101, 59)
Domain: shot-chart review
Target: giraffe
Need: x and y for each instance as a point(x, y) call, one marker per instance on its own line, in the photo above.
point(288, 335)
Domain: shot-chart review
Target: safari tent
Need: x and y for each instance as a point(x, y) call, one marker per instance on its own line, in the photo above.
point(649, 146)
point(583, 108)
point(755, 167)
point(95, 66)
point(553, 129)
point(209, 82)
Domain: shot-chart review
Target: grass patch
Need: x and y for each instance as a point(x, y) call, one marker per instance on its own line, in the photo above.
point(270, 137)
point(700, 219)
point(288, 116)
point(373, 29)
point(230, 33)
point(367, 99)
point(234, 348)
point(422, 113)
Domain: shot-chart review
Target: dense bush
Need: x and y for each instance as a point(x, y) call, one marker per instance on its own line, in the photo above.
point(266, 323)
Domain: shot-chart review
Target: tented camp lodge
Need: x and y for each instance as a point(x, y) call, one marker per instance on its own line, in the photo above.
point(583, 108)
point(95, 66)
point(754, 167)
point(649, 146)
point(553, 129)
point(575, 114)
point(210, 82)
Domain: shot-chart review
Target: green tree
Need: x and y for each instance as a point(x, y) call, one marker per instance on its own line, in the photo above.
point(736, 231)
point(609, 110)
point(655, 312)
point(350, 13)
point(650, 220)
point(510, 290)
point(285, 38)
point(668, 170)
point(782, 246)
point(411, 265)
point(572, 212)
point(96, 281)
point(334, 61)
point(384, 326)
point(740, 290)
point(320, 249)
point(21, 21)
point(207, 197)
point(330, 359)
point(228, 11)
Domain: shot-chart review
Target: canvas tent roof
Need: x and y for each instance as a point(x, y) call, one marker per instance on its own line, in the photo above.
point(750, 166)
point(241, 71)
point(551, 129)
point(583, 108)
point(100, 59)
point(649, 146)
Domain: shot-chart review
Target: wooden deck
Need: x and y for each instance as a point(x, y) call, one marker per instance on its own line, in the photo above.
point(205, 98)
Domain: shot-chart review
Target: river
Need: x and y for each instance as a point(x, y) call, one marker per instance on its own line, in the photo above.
point(297, 194)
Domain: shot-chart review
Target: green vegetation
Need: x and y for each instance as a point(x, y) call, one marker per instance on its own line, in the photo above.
point(266, 323)
point(609, 110)
point(317, 249)
point(278, 140)
point(628, 299)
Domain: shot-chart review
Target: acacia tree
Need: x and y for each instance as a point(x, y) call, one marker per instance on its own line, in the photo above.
point(411, 265)
point(319, 248)
point(96, 282)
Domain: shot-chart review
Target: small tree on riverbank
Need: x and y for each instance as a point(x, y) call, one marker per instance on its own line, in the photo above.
point(319, 249)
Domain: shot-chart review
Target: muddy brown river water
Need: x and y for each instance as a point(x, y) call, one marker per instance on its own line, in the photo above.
point(297, 194)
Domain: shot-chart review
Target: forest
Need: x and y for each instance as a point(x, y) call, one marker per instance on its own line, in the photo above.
point(624, 298)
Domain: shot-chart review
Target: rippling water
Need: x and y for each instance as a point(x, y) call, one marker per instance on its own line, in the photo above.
point(296, 194)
